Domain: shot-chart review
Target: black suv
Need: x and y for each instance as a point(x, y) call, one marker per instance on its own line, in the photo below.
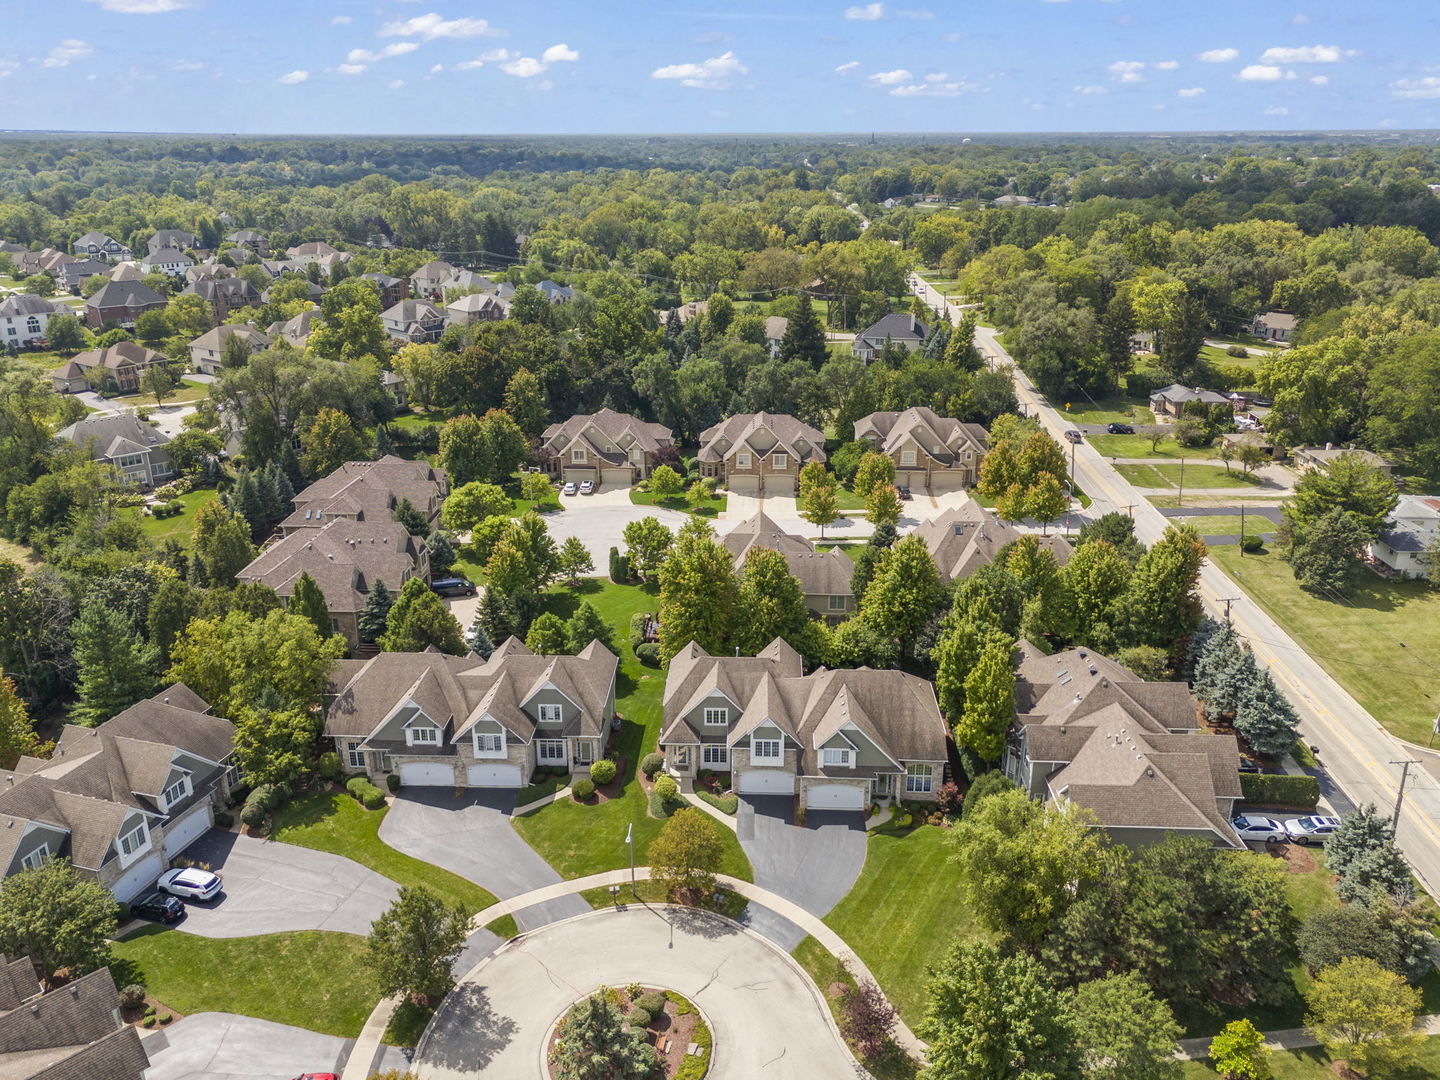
point(159, 907)
point(453, 586)
point(1120, 429)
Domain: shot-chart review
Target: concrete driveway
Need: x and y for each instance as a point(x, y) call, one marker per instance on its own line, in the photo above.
point(223, 1046)
point(814, 866)
point(272, 887)
point(471, 835)
point(767, 1017)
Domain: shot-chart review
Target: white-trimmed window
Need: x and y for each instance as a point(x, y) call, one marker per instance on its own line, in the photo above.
point(715, 754)
point(137, 839)
point(424, 736)
point(742, 461)
point(907, 457)
point(780, 461)
point(36, 858)
point(918, 777)
point(839, 603)
point(577, 456)
point(837, 758)
point(175, 792)
point(766, 750)
point(717, 717)
point(551, 750)
point(549, 714)
point(493, 743)
point(354, 755)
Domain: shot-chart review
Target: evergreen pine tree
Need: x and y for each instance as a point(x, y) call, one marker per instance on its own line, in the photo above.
point(477, 638)
point(375, 612)
point(116, 669)
point(309, 601)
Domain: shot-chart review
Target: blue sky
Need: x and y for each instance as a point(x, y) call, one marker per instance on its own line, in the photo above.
point(458, 66)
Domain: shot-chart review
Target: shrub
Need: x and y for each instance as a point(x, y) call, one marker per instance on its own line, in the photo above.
point(652, 764)
point(132, 996)
point(948, 799)
point(582, 789)
point(224, 819)
point(603, 771)
point(1237, 351)
point(1293, 792)
point(648, 654)
point(393, 781)
point(1251, 544)
point(328, 766)
point(667, 788)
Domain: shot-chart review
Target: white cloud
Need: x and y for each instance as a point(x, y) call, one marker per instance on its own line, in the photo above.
point(845, 69)
point(1319, 80)
point(297, 76)
point(1428, 87)
point(1191, 91)
point(1218, 56)
point(1302, 54)
point(351, 69)
point(67, 52)
point(187, 65)
point(341, 20)
point(142, 7)
point(556, 54)
point(432, 26)
point(369, 56)
point(865, 13)
point(1091, 90)
point(1260, 73)
point(526, 67)
point(1276, 110)
point(395, 84)
point(890, 78)
point(939, 85)
point(1167, 65)
point(715, 73)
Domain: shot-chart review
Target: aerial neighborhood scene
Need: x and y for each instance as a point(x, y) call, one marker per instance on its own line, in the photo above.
point(802, 542)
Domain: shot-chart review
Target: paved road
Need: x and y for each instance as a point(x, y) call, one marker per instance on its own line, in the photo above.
point(223, 1046)
point(272, 887)
point(767, 1017)
point(1354, 748)
point(471, 835)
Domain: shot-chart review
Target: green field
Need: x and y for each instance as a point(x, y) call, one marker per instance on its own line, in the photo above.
point(1382, 644)
point(1196, 476)
point(1138, 446)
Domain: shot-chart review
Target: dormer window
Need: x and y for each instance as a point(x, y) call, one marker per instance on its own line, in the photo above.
point(838, 758)
point(424, 736)
point(175, 792)
point(549, 714)
point(717, 717)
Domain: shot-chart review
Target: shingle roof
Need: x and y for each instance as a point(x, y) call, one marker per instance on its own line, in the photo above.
point(796, 438)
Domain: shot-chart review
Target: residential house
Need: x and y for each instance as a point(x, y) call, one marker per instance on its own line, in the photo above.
point(607, 447)
point(413, 321)
point(391, 289)
point(760, 453)
point(1412, 532)
point(176, 239)
point(118, 367)
point(134, 448)
point(477, 307)
point(1276, 326)
point(556, 294)
point(1320, 458)
point(249, 239)
point(294, 332)
point(71, 1033)
point(121, 800)
point(345, 557)
point(903, 330)
point(824, 576)
point(462, 722)
point(23, 319)
point(427, 280)
point(967, 537)
point(224, 294)
point(207, 352)
point(930, 452)
point(97, 245)
point(839, 739)
point(166, 260)
point(73, 274)
point(1089, 732)
point(1171, 400)
point(369, 491)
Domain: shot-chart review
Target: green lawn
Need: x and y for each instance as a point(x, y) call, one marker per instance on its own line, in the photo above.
point(334, 822)
point(312, 979)
point(902, 912)
point(178, 527)
point(1107, 411)
point(1138, 446)
point(579, 839)
point(709, 508)
point(1382, 644)
point(1196, 476)
point(1314, 1064)
point(845, 499)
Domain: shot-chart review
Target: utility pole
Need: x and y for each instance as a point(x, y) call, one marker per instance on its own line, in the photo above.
point(1400, 798)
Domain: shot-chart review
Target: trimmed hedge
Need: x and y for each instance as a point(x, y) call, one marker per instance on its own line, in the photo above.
point(1266, 789)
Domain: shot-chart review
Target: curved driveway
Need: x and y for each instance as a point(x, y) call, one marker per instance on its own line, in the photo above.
point(767, 1017)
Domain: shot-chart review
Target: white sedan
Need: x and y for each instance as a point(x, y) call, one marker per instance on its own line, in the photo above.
point(1311, 830)
point(190, 883)
point(1253, 827)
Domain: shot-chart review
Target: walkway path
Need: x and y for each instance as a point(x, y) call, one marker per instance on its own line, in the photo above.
point(1288, 1039)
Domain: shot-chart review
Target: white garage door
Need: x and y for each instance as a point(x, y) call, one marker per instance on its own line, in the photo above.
point(187, 830)
point(493, 776)
point(835, 797)
point(138, 877)
point(426, 774)
point(766, 782)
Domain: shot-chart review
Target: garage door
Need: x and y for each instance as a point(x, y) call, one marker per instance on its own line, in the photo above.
point(766, 782)
point(183, 833)
point(835, 797)
point(426, 774)
point(493, 776)
point(744, 485)
point(142, 874)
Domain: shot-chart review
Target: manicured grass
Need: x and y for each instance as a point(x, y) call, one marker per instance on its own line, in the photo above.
point(1107, 411)
point(845, 499)
point(1225, 525)
point(709, 508)
point(312, 979)
point(579, 839)
point(903, 912)
point(1196, 476)
point(178, 527)
point(1138, 446)
point(1313, 1063)
point(334, 822)
point(1358, 640)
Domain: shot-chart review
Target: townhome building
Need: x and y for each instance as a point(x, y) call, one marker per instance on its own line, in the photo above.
point(759, 453)
point(608, 448)
point(135, 449)
point(931, 453)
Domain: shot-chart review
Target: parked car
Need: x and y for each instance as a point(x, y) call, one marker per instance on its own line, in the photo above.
point(158, 907)
point(587, 487)
point(1311, 830)
point(905, 493)
point(1120, 429)
point(569, 488)
point(190, 882)
point(453, 586)
point(1254, 827)
point(1074, 436)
